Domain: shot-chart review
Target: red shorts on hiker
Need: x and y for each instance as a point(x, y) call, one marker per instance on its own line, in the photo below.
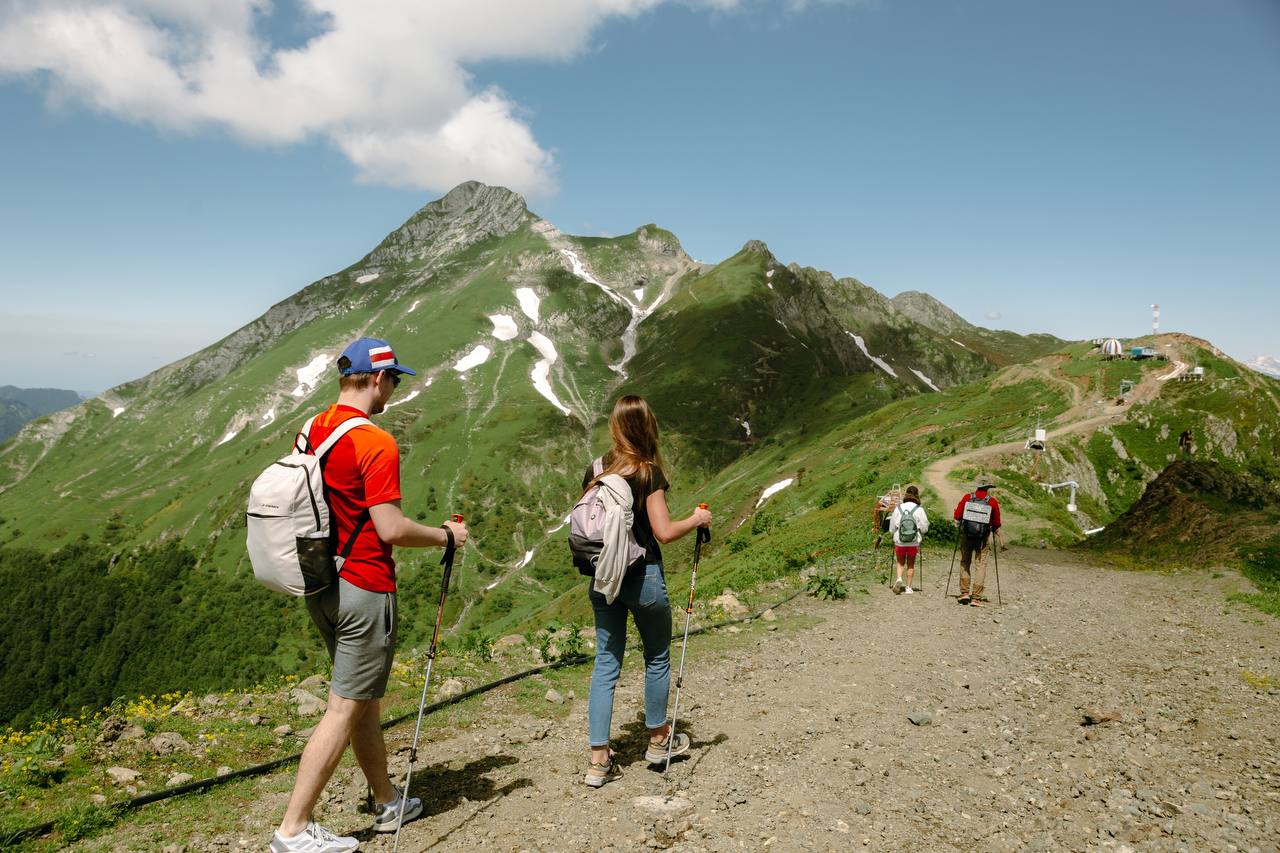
point(906, 550)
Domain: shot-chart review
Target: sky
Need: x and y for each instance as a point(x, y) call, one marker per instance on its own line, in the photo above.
point(169, 169)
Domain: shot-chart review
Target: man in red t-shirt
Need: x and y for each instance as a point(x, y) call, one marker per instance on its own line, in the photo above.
point(357, 615)
point(974, 534)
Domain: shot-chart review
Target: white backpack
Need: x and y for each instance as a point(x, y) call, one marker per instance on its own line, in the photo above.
point(601, 537)
point(288, 520)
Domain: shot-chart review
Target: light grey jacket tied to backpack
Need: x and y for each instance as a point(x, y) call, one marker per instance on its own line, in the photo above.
point(600, 534)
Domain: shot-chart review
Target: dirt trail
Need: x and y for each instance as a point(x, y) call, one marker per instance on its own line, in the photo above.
point(801, 738)
point(1079, 417)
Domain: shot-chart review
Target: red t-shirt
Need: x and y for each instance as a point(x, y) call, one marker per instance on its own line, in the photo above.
point(362, 470)
point(981, 493)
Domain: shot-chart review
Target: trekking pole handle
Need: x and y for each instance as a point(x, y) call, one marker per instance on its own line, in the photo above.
point(703, 535)
point(447, 559)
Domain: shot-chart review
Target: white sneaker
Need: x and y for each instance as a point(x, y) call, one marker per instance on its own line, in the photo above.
point(908, 590)
point(897, 585)
point(389, 815)
point(314, 839)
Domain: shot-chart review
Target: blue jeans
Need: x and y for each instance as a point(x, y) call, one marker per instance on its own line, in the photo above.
point(644, 596)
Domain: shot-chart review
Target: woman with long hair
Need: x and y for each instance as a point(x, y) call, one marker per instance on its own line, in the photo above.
point(635, 458)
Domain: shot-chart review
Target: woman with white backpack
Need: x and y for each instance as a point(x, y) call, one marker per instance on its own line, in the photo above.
point(642, 592)
point(908, 524)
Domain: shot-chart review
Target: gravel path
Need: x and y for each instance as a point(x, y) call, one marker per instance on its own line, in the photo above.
point(802, 739)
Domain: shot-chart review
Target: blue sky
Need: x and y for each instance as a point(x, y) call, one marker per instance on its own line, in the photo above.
point(1038, 166)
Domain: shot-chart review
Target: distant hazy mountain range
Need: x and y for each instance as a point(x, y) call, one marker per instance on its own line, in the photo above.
point(20, 405)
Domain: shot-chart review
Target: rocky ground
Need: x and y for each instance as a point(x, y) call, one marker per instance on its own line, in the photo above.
point(1095, 709)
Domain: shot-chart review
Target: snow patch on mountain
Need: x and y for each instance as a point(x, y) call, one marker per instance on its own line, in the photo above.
point(639, 292)
point(528, 556)
point(541, 374)
point(580, 270)
point(774, 489)
point(504, 326)
point(476, 357)
point(269, 417)
point(367, 277)
point(309, 376)
point(925, 379)
point(118, 411)
point(415, 304)
point(529, 302)
point(227, 437)
point(957, 343)
point(746, 426)
point(406, 399)
point(879, 362)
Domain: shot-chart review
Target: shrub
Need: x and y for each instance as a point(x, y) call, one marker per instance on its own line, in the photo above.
point(829, 587)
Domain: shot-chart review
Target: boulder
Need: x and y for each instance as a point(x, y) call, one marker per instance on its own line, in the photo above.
point(920, 718)
point(123, 775)
point(729, 603)
point(663, 806)
point(312, 681)
point(510, 641)
point(308, 705)
point(133, 732)
point(179, 779)
point(769, 615)
point(1097, 716)
point(554, 696)
point(167, 743)
point(111, 729)
point(282, 730)
point(451, 687)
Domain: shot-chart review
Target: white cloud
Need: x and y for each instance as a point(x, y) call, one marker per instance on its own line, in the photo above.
point(992, 315)
point(384, 81)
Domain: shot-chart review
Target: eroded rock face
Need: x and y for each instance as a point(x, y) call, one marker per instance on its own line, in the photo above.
point(470, 213)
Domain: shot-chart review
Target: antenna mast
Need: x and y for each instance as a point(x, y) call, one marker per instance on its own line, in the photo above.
point(1155, 319)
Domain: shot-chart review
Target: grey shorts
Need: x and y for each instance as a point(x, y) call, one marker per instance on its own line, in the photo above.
point(359, 629)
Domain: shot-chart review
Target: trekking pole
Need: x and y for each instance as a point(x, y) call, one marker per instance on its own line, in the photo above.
point(447, 562)
point(995, 549)
point(704, 535)
point(954, 551)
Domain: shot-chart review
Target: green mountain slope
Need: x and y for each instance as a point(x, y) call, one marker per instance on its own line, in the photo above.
point(997, 346)
point(522, 337)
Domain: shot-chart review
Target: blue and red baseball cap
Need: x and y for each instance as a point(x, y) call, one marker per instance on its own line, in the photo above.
point(369, 355)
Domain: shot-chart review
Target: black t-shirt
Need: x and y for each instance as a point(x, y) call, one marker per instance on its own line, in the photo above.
point(640, 525)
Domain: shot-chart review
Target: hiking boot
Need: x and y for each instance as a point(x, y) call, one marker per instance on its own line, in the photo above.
point(599, 775)
point(657, 752)
point(389, 813)
point(314, 839)
point(908, 590)
point(963, 599)
point(897, 585)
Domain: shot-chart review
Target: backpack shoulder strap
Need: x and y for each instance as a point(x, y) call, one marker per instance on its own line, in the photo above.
point(597, 466)
point(339, 431)
point(302, 441)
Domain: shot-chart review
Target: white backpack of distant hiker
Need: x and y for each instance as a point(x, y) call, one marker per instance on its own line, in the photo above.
point(601, 538)
point(288, 519)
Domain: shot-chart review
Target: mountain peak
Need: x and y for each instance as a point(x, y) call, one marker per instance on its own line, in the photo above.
point(469, 213)
point(758, 247)
point(930, 313)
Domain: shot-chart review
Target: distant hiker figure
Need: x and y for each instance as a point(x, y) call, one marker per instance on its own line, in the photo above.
point(1184, 444)
point(978, 515)
point(642, 591)
point(880, 512)
point(909, 524)
point(356, 615)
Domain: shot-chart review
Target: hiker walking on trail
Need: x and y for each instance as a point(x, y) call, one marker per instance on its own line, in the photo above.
point(909, 524)
point(357, 614)
point(1184, 444)
point(642, 590)
point(880, 512)
point(978, 516)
